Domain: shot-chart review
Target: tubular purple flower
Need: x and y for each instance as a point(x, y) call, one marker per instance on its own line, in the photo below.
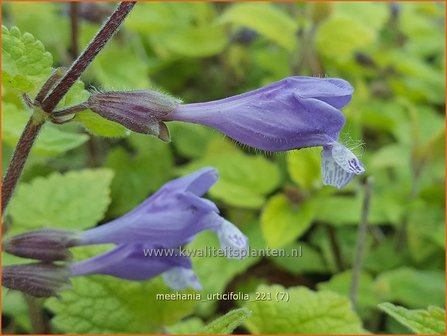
point(293, 113)
point(165, 221)
point(170, 217)
point(148, 238)
point(140, 262)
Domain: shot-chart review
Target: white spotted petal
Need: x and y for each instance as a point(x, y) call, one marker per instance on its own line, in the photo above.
point(179, 278)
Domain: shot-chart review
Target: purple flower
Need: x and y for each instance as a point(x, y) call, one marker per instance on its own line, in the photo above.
point(134, 262)
point(148, 238)
point(293, 113)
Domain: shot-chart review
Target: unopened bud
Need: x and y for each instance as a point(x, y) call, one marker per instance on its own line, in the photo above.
point(141, 111)
point(39, 279)
point(45, 244)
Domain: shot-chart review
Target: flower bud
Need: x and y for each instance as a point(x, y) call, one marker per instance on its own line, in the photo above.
point(45, 245)
point(39, 279)
point(141, 111)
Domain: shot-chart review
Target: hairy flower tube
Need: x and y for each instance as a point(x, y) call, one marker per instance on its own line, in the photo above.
point(166, 221)
point(293, 113)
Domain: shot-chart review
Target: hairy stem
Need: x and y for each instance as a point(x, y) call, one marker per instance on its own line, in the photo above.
point(361, 242)
point(19, 158)
point(87, 56)
point(38, 323)
point(48, 103)
point(74, 24)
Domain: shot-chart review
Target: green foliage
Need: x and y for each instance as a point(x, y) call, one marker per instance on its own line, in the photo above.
point(25, 63)
point(201, 51)
point(224, 325)
point(409, 287)
point(244, 180)
point(265, 19)
point(283, 222)
point(299, 310)
point(420, 321)
point(341, 36)
point(52, 139)
point(304, 167)
point(136, 176)
point(55, 202)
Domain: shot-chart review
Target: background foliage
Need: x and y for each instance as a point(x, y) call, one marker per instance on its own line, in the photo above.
point(392, 53)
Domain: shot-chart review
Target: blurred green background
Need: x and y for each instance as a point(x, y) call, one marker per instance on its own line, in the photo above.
point(394, 56)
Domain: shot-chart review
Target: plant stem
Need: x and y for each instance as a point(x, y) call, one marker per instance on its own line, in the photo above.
point(19, 158)
point(335, 248)
point(37, 120)
point(87, 56)
point(38, 323)
point(361, 242)
point(74, 23)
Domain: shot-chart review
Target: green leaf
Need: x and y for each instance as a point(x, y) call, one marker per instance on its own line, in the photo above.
point(310, 261)
point(409, 287)
point(225, 325)
point(421, 321)
point(75, 200)
point(243, 179)
point(191, 140)
point(136, 177)
point(376, 14)
point(304, 167)
point(200, 41)
point(186, 327)
point(266, 19)
point(339, 37)
point(25, 63)
point(298, 310)
point(283, 222)
point(51, 140)
point(118, 67)
point(105, 305)
point(97, 125)
point(340, 283)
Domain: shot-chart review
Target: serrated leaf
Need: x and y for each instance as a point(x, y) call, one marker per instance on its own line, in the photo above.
point(266, 19)
point(225, 325)
point(339, 37)
point(304, 167)
point(301, 311)
point(420, 321)
point(136, 177)
point(243, 179)
point(76, 200)
point(25, 63)
point(51, 140)
point(106, 305)
point(283, 222)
